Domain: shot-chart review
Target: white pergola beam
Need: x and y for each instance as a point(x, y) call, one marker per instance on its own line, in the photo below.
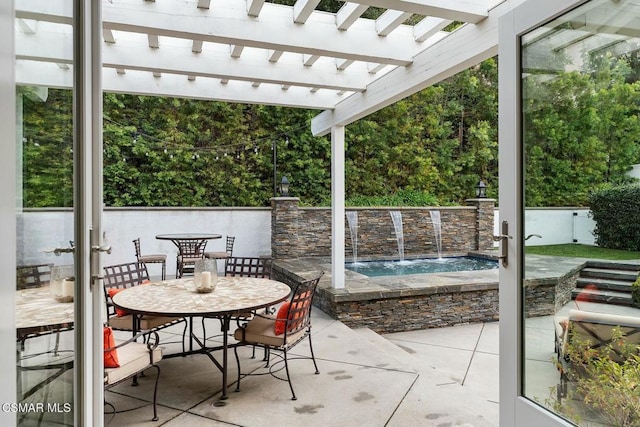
point(349, 14)
point(389, 21)
point(303, 9)
point(254, 7)
point(472, 11)
point(465, 47)
point(274, 30)
point(428, 27)
point(50, 75)
point(252, 66)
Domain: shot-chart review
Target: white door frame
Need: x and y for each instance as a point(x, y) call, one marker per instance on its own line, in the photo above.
point(516, 410)
point(88, 378)
point(7, 209)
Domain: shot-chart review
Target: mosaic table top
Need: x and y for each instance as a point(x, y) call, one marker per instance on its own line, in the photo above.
point(37, 308)
point(179, 298)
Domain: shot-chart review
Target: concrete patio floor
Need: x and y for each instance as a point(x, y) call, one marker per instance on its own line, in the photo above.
point(435, 377)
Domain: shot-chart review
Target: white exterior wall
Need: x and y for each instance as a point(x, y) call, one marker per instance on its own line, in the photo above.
point(250, 226)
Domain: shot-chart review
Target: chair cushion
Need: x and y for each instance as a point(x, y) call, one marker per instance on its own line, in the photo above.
point(146, 322)
point(110, 356)
point(216, 255)
point(261, 330)
point(113, 291)
point(153, 258)
point(134, 357)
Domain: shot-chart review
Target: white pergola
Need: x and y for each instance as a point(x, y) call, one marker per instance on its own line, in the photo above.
point(257, 52)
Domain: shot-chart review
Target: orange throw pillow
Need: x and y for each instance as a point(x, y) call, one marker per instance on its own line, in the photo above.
point(111, 356)
point(281, 321)
point(112, 291)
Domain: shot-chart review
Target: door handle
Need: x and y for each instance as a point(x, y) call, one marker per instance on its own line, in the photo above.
point(503, 238)
point(60, 251)
point(106, 249)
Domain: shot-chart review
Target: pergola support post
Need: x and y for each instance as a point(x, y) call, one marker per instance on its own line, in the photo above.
point(337, 207)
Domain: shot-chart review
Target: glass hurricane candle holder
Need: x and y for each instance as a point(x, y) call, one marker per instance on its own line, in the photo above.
point(62, 283)
point(205, 275)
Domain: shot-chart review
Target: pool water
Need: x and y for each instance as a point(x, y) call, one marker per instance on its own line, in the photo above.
point(421, 266)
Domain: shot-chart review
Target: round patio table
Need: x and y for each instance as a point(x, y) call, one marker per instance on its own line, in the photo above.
point(178, 298)
point(38, 313)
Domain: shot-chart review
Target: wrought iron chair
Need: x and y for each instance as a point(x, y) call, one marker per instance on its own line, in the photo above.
point(33, 276)
point(597, 329)
point(248, 267)
point(134, 358)
point(293, 319)
point(259, 267)
point(190, 251)
point(223, 255)
point(151, 258)
point(122, 276)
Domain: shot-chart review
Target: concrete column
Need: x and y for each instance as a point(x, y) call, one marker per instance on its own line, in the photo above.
point(484, 222)
point(284, 227)
point(337, 207)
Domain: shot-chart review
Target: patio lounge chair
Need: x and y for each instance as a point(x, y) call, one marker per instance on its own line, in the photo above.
point(597, 329)
point(134, 358)
point(283, 331)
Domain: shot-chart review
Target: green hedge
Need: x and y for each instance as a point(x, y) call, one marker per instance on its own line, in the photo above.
point(616, 212)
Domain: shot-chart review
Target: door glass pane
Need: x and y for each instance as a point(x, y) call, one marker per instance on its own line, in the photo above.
point(581, 133)
point(44, 208)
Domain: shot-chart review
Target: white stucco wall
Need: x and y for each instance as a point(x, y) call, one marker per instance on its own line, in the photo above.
point(47, 229)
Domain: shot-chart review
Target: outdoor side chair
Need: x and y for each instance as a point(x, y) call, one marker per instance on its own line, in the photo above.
point(281, 332)
point(122, 276)
point(33, 276)
point(228, 252)
point(259, 267)
point(134, 358)
point(151, 258)
point(191, 250)
point(582, 326)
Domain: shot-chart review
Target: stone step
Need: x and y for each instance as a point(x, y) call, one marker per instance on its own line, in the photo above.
point(630, 266)
point(388, 348)
point(609, 273)
point(608, 297)
point(604, 284)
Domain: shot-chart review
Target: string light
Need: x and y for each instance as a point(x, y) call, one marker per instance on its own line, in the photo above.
point(238, 148)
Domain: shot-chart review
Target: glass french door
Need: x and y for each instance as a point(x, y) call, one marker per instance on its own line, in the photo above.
point(569, 74)
point(51, 135)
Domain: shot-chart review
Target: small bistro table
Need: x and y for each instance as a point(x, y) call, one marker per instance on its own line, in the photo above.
point(181, 241)
point(176, 298)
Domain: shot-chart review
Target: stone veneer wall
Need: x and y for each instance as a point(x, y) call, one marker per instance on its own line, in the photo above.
point(544, 297)
point(306, 232)
point(432, 310)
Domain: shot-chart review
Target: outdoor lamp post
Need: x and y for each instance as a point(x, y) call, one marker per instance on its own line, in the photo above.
point(284, 187)
point(481, 190)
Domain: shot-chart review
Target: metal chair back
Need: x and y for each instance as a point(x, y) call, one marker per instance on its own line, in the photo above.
point(33, 276)
point(123, 276)
point(248, 267)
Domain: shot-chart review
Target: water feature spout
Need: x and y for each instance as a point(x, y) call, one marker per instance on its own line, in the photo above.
point(352, 219)
point(437, 231)
point(396, 217)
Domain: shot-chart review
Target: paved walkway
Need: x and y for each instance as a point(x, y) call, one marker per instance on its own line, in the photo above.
point(436, 377)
